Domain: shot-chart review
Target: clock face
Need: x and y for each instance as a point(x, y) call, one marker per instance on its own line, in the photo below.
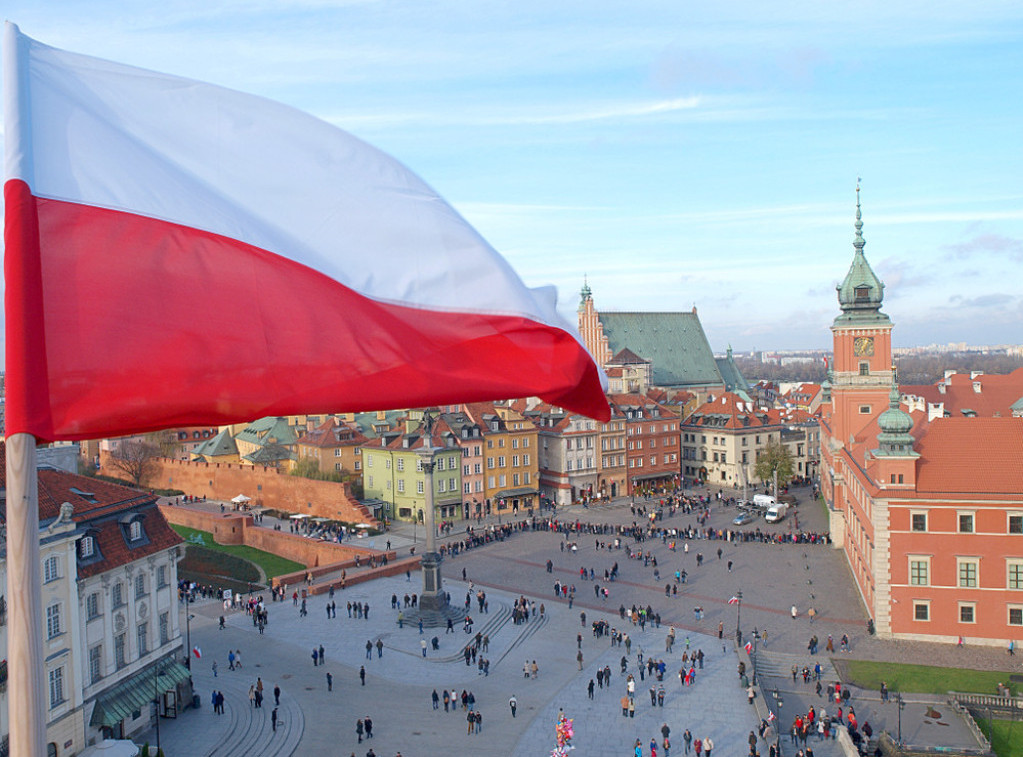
point(863, 346)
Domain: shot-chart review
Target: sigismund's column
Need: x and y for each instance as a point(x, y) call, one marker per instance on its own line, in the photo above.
point(433, 597)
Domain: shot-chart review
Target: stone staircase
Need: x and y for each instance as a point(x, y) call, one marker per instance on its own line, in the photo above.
point(779, 665)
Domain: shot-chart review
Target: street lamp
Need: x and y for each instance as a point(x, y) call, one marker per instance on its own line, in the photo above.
point(188, 629)
point(901, 704)
point(756, 638)
point(156, 699)
point(738, 617)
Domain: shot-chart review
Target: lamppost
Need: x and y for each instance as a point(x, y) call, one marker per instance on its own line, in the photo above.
point(738, 617)
point(901, 704)
point(156, 701)
point(188, 629)
point(756, 638)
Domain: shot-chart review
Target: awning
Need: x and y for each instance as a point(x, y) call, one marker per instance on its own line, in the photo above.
point(652, 476)
point(136, 693)
point(520, 492)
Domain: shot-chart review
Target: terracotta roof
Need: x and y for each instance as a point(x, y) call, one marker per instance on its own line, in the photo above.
point(330, 434)
point(967, 455)
point(99, 508)
point(626, 356)
point(997, 393)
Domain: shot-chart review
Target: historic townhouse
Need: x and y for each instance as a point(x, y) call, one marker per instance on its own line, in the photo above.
point(393, 472)
point(469, 437)
point(112, 641)
point(652, 442)
point(723, 438)
point(613, 466)
point(510, 450)
point(927, 505)
point(334, 445)
point(568, 455)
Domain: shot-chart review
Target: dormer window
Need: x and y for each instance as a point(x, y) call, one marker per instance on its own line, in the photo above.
point(135, 530)
point(87, 547)
point(862, 293)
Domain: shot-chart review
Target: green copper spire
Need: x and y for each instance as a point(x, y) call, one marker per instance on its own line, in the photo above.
point(584, 294)
point(861, 293)
point(895, 424)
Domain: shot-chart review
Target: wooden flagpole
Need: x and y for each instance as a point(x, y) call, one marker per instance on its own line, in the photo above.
point(25, 702)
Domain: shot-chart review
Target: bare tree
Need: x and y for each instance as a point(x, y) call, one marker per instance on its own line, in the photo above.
point(136, 459)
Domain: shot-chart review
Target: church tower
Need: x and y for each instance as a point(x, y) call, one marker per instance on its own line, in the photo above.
point(862, 376)
point(590, 328)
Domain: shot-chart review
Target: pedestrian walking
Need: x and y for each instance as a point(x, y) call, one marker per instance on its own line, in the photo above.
point(277, 695)
point(513, 703)
point(362, 674)
point(359, 729)
point(330, 682)
point(369, 727)
point(273, 720)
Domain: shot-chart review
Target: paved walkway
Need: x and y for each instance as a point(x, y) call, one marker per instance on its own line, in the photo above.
point(398, 684)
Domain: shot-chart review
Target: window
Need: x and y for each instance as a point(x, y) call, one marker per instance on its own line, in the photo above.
point(477, 469)
point(95, 663)
point(1015, 568)
point(500, 461)
point(388, 485)
point(337, 452)
point(56, 687)
point(967, 612)
point(369, 461)
point(1015, 523)
point(53, 621)
point(921, 611)
point(968, 569)
point(419, 486)
point(358, 465)
point(116, 595)
point(919, 569)
point(918, 521)
point(502, 480)
point(515, 479)
point(161, 576)
point(119, 652)
point(51, 570)
point(441, 485)
point(490, 463)
point(92, 606)
point(140, 586)
point(864, 368)
point(400, 463)
point(465, 470)
point(452, 462)
point(1015, 615)
point(369, 479)
point(164, 627)
point(87, 547)
point(337, 466)
point(401, 485)
point(135, 530)
point(142, 634)
point(515, 461)
point(451, 485)
point(387, 463)
point(515, 443)
point(525, 460)
point(966, 523)
point(864, 409)
point(525, 442)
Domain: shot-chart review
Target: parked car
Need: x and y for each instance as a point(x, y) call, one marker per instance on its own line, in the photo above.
point(742, 519)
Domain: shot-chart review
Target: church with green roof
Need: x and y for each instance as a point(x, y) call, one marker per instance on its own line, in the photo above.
point(675, 345)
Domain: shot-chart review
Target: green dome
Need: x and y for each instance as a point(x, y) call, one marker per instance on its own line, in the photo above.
point(895, 424)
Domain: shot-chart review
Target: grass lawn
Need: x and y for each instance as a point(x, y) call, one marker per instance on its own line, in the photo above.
point(271, 564)
point(922, 679)
point(1007, 739)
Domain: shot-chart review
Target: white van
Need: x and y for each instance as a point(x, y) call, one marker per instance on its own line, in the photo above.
point(776, 513)
point(764, 501)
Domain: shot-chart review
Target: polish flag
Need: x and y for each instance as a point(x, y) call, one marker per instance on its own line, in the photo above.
point(733, 601)
point(197, 652)
point(748, 648)
point(181, 254)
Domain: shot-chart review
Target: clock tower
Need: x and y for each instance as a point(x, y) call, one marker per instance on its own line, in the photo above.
point(862, 373)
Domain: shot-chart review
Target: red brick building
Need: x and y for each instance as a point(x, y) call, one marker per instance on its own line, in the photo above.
point(928, 504)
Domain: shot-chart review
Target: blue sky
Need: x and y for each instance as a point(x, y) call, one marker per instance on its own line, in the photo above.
point(675, 153)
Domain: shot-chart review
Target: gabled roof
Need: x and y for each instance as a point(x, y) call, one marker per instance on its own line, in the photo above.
point(674, 343)
point(999, 393)
point(971, 455)
point(220, 445)
point(270, 454)
point(626, 356)
point(731, 411)
point(268, 429)
point(331, 434)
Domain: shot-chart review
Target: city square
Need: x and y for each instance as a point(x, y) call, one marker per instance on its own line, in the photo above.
point(399, 684)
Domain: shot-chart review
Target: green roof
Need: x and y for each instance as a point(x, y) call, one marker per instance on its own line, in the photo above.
point(674, 343)
point(269, 429)
point(733, 378)
point(220, 445)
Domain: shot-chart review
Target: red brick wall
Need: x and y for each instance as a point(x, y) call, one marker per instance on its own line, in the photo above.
point(268, 487)
point(234, 528)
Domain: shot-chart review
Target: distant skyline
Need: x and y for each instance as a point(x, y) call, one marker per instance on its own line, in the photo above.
point(675, 154)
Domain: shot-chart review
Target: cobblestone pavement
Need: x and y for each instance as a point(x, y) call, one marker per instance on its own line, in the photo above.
point(396, 695)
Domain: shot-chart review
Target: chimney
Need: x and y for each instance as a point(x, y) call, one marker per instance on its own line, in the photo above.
point(949, 372)
point(976, 387)
point(941, 387)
